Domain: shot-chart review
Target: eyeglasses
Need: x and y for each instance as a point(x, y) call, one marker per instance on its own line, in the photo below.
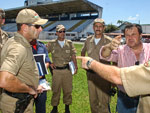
point(61, 31)
point(36, 26)
point(137, 63)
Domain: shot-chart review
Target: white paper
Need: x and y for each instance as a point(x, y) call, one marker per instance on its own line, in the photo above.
point(72, 67)
point(45, 84)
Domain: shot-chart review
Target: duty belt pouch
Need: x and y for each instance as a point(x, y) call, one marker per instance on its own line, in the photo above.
point(22, 104)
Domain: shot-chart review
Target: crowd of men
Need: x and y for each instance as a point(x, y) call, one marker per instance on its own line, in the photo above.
point(20, 79)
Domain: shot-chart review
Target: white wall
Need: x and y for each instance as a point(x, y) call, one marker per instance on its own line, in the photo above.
point(146, 28)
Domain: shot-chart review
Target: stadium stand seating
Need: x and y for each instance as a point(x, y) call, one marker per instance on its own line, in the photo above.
point(67, 23)
point(11, 27)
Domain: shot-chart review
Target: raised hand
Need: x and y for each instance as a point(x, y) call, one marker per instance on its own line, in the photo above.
point(115, 42)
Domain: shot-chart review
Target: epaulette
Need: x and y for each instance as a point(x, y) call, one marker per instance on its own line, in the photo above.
point(107, 37)
point(90, 36)
point(69, 41)
point(52, 41)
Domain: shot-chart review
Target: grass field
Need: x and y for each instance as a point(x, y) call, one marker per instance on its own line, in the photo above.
point(80, 97)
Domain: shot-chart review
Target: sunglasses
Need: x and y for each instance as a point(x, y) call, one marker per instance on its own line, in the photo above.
point(61, 31)
point(36, 26)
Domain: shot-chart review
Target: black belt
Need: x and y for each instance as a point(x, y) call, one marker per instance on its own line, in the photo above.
point(17, 95)
point(124, 94)
point(64, 67)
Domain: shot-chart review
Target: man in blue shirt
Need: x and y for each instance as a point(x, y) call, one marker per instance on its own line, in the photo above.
point(40, 102)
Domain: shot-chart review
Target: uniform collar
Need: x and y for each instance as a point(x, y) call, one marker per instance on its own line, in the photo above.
point(64, 40)
point(3, 33)
point(102, 38)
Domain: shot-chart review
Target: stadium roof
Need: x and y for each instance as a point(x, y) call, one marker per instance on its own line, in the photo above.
point(59, 7)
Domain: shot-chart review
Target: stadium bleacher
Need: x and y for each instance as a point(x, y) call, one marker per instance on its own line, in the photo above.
point(67, 23)
point(75, 15)
point(83, 25)
point(11, 27)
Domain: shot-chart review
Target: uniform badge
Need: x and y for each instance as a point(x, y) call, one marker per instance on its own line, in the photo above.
point(147, 64)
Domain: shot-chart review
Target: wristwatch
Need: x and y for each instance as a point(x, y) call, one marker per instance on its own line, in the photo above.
point(89, 63)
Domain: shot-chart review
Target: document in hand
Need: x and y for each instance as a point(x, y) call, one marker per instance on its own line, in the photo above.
point(45, 84)
point(72, 67)
point(40, 60)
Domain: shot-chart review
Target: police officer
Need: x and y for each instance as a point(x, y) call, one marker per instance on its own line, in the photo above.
point(98, 92)
point(135, 79)
point(63, 52)
point(3, 34)
point(19, 74)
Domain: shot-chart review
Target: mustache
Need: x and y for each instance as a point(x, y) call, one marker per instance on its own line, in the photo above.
point(98, 30)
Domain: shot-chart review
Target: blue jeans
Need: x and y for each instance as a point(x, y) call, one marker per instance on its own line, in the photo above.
point(40, 102)
point(126, 104)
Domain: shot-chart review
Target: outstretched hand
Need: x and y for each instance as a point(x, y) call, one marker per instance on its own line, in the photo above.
point(84, 61)
point(115, 42)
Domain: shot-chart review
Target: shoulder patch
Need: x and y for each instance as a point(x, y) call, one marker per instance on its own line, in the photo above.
point(68, 40)
point(90, 36)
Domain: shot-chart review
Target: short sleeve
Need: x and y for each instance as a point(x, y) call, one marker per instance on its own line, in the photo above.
point(15, 56)
point(73, 50)
point(136, 80)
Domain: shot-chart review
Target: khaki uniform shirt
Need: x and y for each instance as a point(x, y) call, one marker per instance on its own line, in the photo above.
point(92, 49)
point(138, 84)
point(17, 58)
point(61, 56)
point(3, 39)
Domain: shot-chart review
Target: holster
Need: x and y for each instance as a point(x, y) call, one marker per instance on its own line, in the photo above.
point(23, 100)
point(21, 105)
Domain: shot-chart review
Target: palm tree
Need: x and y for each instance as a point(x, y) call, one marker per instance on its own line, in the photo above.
point(120, 22)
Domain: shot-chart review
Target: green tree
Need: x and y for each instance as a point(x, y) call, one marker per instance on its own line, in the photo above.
point(110, 28)
point(120, 22)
